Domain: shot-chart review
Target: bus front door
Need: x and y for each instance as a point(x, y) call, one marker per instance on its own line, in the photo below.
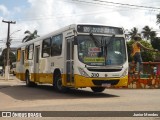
point(69, 61)
point(36, 64)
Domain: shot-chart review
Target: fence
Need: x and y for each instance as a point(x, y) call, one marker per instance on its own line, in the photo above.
point(149, 79)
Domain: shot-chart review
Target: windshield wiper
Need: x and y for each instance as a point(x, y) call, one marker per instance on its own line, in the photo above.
point(105, 49)
point(107, 42)
point(100, 44)
point(97, 43)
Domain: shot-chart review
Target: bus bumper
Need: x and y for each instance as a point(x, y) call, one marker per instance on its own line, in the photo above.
point(81, 81)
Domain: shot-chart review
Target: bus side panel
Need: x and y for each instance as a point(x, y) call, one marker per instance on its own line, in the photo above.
point(45, 78)
point(20, 76)
point(44, 75)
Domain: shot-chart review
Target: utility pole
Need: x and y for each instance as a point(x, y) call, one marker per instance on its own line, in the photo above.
point(8, 47)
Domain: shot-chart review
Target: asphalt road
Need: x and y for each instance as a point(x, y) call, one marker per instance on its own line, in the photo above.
point(15, 96)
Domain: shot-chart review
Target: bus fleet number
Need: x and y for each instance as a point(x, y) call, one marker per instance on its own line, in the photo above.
point(95, 75)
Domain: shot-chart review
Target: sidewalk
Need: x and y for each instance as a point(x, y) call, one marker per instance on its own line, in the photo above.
point(11, 77)
point(13, 81)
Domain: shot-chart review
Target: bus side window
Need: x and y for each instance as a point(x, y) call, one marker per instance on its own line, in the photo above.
point(18, 54)
point(22, 57)
point(46, 47)
point(30, 52)
point(56, 48)
point(26, 53)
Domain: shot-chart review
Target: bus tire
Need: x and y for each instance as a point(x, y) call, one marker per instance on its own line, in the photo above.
point(58, 83)
point(97, 89)
point(14, 73)
point(28, 82)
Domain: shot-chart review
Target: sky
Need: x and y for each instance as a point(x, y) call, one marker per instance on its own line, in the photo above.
point(49, 15)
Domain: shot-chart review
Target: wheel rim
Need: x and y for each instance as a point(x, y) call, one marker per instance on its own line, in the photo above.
point(27, 79)
point(59, 83)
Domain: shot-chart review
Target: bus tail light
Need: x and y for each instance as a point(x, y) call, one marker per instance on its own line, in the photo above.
point(82, 72)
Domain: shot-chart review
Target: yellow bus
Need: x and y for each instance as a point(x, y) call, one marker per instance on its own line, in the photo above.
point(76, 56)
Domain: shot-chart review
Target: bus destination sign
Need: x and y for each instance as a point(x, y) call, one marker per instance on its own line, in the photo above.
point(99, 29)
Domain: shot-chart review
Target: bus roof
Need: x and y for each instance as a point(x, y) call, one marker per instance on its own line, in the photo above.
point(47, 35)
point(71, 26)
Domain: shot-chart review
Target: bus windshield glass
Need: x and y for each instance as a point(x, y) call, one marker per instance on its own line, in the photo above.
point(101, 50)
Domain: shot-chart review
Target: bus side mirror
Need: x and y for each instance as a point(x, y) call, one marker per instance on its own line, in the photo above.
point(75, 40)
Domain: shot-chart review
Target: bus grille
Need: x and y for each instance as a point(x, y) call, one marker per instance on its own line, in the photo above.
point(100, 82)
point(104, 70)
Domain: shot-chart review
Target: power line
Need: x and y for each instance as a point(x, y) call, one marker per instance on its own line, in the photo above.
point(64, 16)
point(128, 6)
point(122, 4)
point(97, 2)
point(141, 6)
point(106, 4)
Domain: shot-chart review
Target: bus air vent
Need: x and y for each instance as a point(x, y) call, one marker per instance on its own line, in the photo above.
point(100, 82)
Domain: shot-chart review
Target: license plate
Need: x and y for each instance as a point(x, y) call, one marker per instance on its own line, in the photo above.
point(106, 85)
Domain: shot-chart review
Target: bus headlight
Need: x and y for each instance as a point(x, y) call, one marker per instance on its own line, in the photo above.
point(124, 73)
point(82, 72)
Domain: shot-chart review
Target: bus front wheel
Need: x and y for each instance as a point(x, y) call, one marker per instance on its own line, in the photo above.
point(58, 83)
point(98, 89)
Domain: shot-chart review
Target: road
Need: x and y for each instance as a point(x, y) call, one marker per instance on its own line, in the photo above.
point(15, 96)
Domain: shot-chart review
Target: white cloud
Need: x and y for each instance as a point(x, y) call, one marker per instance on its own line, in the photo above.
point(17, 9)
point(52, 14)
point(49, 15)
point(4, 10)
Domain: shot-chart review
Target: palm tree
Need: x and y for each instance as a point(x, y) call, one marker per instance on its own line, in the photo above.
point(153, 35)
point(133, 32)
point(158, 18)
point(148, 33)
point(30, 35)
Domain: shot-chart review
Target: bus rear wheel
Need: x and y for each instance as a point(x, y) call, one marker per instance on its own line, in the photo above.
point(14, 73)
point(58, 83)
point(98, 89)
point(28, 82)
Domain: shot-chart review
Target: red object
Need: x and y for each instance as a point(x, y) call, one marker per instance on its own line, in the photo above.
point(158, 69)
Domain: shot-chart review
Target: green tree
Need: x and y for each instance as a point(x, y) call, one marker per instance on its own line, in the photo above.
point(133, 32)
point(146, 55)
point(12, 57)
point(1, 61)
point(158, 18)
point(156, 43)
point(148, 33)
point(153, 35)
point(30, 36)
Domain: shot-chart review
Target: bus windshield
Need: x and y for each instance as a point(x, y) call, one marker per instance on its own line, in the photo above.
point(101, 50)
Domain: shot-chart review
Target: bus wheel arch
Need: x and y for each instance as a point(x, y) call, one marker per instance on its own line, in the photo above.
point(57, 81)
point(27, 79)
